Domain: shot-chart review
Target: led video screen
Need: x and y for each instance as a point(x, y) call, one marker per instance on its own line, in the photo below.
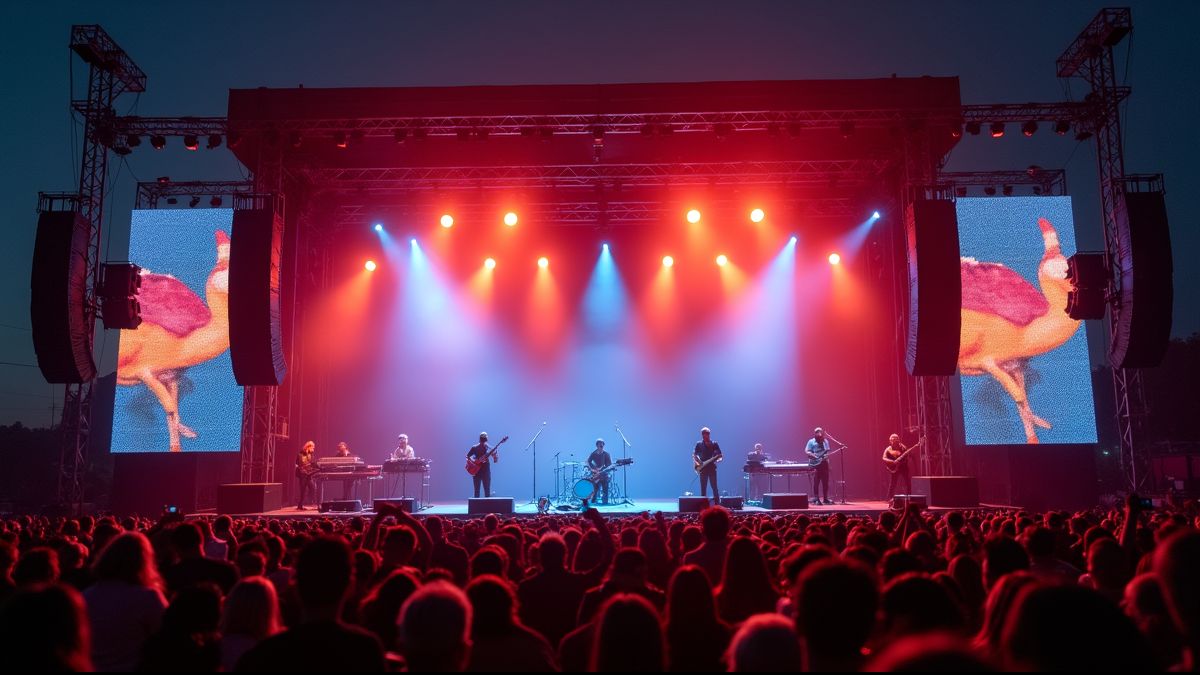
point(1023, 363)
point(175, 386)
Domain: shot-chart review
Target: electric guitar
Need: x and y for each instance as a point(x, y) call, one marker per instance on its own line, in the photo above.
point(894, 465)
point(597, 474)
point(698, 467)
point(474, 465)
point(814, 463)
point(308, 470)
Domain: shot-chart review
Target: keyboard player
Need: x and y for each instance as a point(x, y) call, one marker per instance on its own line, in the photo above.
point(403, 449)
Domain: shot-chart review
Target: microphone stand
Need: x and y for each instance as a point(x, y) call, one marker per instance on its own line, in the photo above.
point(841, 464)
point(625, 445)
point(533, 444)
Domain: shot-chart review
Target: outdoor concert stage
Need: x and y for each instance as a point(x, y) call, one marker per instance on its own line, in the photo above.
point(669, 506)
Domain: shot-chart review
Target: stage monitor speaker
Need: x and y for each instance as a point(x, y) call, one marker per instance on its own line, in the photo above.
point(490, 505)
point(934, 288)
point(341, 506)
point(62, 334)
point(732, 503)
point(948, 491)
point(693, 504)
point(899, 501)
point(255, 331)
point(241, 498)
point(1145, 270)
point(785, 500)
point(405, 504)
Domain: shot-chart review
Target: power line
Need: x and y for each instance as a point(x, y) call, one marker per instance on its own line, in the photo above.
point(20, 365)
point(9, 325)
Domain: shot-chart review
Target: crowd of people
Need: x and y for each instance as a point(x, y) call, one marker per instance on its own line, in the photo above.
point(912, 590)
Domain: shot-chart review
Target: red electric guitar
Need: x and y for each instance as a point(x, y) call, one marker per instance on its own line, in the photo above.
point(474, 465)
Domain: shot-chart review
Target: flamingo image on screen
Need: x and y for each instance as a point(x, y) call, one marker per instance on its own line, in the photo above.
point(1016, 335)
point(173, 373)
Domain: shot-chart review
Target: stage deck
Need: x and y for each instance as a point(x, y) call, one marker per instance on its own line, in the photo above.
point(669, 506)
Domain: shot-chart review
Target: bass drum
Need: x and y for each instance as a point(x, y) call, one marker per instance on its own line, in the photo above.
point(584, 489)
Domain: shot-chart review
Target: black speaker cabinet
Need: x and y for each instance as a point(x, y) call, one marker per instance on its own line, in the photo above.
point(62, 338)
point(934, 288)
point(948, 491)
point(693, 504)
point(732, 503)
point(255, 331)
point(406, 504)
point(1146, 275)
point(246, 498)
point(341, 506)
point(490, 505)
point(785, 500)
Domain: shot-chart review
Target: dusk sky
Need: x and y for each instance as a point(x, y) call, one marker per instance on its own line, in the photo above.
point(193, 52)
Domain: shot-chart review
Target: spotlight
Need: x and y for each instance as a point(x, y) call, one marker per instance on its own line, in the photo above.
point(163, 180)
point(722, 130)
point(215, 202)
point(846, 129)
point(413, 242)
point(463, 134)
point(794, 239)
point(1061, 127)
point(490, 263)
point(604, 246)
point(973, 128)
point(214, 141)
point(172, 201)
point(378, 227)
point(757, 215)
point(191, 142)
point(369, 266)
point(597, 135)
point(158, 142)
point(133, 140)
point(543, 262)
point(722, 260)
point(960, 191)
point(193, 202)
point(510, 219)
point(447, 220)
point(876, 215)
point(1029, 128)
point(295, 139)
point(990, 191)
point(956, 131)
point(339, 140)
point(835, 259)
point(693, 216)
point(1008, 190)
point(400, 135)
point(997, 129)
point(1082, 135)
point(668, 261)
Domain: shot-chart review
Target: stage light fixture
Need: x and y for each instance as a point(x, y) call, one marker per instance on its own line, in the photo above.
point(158, 142)
point(447, 220)
point(693, 216)
point(757, 215)
point(960, 191)
point(604, 246)
point(722, 260)
point(997, 129)
point(490, 263)
point(1008, 190)
point(543, 262)
point(1082, 135)
point(668, 261)
point(370, 266)
point(399, 136)
point(793, 239)
point(339, 140)
point(876, 215)
point(378, 227)
point(1029, 128)
point(295, 139)
point(510, 219)
point(193, 202)
point(163, 180)
point(1061, 127)
point(133, 140)
point(215, 202)
point(214, 141)
point(973, 128)
point(846, 129)
point(956, 131)
point(722, 130)
point(835, 259)
point(172, 201)
point(191, 142)
point(990, 191)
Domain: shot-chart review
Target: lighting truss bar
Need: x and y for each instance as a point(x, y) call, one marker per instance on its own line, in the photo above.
point(149, 193)
point(1052, 181)
point(94, 45)
point(1105, 30)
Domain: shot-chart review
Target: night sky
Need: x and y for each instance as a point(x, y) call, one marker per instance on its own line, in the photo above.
point(193, 52)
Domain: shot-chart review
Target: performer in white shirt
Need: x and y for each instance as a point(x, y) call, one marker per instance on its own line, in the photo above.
point(403, 449)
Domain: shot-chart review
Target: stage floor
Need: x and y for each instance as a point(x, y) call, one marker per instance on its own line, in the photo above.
point(520, 508)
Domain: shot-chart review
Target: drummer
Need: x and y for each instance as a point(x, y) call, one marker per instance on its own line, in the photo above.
point(598, 461)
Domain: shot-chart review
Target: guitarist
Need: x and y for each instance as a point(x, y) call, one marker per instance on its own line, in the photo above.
point(484, 475)
point(897, 461)
point(598, 461)
point(304, 473)
point(817, 450)
point(706, 454)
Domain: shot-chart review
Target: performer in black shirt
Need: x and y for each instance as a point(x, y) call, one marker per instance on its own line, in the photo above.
point(897, 462)
point(484, 476)
point(706, 450)
point(597, 462)
point(304, 473)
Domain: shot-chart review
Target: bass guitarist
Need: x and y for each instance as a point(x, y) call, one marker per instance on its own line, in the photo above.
point(705, 457)
point(895, 459)
point(479, 454)
point(817, 450)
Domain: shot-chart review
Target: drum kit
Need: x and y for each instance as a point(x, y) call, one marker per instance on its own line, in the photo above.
point(573, 484)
